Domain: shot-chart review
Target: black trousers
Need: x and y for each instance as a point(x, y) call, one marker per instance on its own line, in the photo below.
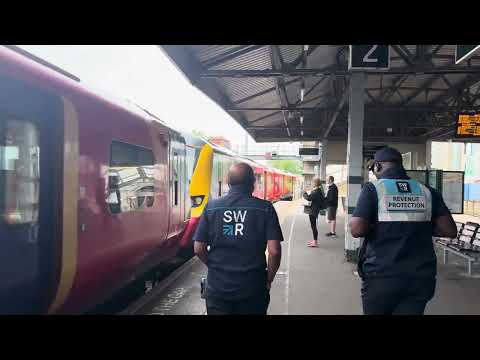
point(397, 296)
point(255, 305)
point(313, 224)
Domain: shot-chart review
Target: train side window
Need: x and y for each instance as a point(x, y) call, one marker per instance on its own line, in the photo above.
point(131, 180)
point(19, 172)
point(219, 188)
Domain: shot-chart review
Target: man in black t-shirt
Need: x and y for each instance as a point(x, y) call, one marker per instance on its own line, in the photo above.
point(332, 205)
point(237, 229)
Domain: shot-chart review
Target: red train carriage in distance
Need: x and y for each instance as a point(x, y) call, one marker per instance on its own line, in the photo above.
point(94, 192)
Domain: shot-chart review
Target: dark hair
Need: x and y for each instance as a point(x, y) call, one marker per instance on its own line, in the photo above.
point(241, 173)
point(331, 178)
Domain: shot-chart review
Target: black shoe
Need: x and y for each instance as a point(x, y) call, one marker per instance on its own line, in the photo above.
point(329, 234)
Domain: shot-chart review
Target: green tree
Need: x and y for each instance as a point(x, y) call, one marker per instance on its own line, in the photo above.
point(292, 166)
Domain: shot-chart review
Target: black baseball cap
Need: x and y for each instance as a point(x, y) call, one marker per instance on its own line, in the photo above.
point(388, 154)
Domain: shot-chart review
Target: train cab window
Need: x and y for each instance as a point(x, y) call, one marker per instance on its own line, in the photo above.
point(131, 181)
point(19, 172)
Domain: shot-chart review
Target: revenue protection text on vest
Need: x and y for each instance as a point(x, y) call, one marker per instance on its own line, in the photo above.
point(405, 203)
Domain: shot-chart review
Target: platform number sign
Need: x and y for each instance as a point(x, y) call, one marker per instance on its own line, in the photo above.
point(369, 57)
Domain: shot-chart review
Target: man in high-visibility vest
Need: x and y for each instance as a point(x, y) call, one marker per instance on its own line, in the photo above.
point(398, 217)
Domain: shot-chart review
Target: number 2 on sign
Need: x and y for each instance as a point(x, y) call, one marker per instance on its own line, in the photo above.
point(367, 57)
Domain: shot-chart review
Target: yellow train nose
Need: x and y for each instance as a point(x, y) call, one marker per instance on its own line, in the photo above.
point(202, 177)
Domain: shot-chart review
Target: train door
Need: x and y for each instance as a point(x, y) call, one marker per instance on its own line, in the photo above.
point(259, 185)
point(270, 191)
point(292, 186)
point(177, 180)
point(182, 185)
point(161, 141)
point(190, 155)
point(219, 170)
point(276, 186)
point(31, 139)
point(216, 186)
point(225, 167)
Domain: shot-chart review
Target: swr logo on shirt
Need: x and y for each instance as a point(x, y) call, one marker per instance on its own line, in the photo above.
point(238, 217)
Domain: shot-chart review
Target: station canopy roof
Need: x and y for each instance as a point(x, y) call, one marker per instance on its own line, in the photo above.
point(415, 100)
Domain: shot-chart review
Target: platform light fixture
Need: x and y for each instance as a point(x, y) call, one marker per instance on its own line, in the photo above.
point(301, 120)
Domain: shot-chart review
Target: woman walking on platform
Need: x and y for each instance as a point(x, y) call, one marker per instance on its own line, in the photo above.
point(317, 198)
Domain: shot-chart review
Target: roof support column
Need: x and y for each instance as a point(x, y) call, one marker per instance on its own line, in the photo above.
point(428, 154)
point(354, 157)
point(323, 163)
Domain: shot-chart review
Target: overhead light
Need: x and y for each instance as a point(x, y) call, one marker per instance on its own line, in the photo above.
point(302, 94)
point(305, 47)
point(301, 132)
point(389, 130)
point(301, 120)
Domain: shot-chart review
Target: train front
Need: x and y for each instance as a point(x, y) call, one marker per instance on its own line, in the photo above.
point(199, 191)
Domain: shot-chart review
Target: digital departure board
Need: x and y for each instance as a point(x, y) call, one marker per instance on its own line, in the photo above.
point(308, 151)
point(468, 125)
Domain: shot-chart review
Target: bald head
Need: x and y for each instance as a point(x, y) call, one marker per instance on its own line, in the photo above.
point(241, 174)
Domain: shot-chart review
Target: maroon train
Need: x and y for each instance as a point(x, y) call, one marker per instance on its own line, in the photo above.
point(94, 193)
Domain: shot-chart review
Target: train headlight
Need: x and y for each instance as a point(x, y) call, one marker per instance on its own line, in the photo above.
point(197, 200)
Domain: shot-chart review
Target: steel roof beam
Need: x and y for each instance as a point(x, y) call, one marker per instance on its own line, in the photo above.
point(330, 71)
point(407, 58)
point(336, 113)
point(406, 88)
point(278, 110)
point(311, 89)
point(429, 82)
point(417, 126)
point(394, 108)
point(397, 82)
point(229, 55)
point(278, 64)
point(467, 83)
point(431, 132)
point(264, 92)
point(411, 64)
point(374, 101)
point(434, 52)
point(425, 86)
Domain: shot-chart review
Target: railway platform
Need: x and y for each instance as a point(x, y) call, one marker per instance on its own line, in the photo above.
point(311, 281)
